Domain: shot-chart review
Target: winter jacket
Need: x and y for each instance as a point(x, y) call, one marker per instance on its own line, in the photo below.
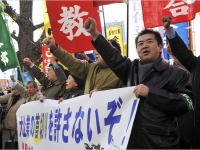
point(155, 125)
point(73, 93)
point(52, 89)
point(95, 77)
point(192, 64)
point(67, 94)
point(25, 95)
point(10, 121)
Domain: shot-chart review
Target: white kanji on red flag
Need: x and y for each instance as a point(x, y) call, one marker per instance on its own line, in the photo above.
point(69, 21)
point(179, 8)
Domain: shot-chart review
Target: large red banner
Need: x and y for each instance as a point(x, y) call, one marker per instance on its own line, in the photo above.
point(103, 2)
point(67, 18)
point(179, 10)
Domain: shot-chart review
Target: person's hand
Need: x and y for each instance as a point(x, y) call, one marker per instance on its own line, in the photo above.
point(50, 42)
point(166, 21)
point(60, 100)
point(90, 26)
point(12, 78)
point(27, 61)
point(95, 90)
point(141, 90)
point(42, 99)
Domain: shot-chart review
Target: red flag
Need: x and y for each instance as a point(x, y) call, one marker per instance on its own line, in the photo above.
point(67, 18)
point(179, 10)
point(97, 3)
point(46, 58)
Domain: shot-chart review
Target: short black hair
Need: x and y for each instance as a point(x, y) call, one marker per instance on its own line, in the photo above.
point(150, 31)
point(115, 44)
point(34, 84)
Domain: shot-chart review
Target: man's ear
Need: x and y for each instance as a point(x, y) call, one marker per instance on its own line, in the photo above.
point(160, 48)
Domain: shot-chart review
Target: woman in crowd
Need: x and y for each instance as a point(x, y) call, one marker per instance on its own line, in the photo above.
point(74, 87)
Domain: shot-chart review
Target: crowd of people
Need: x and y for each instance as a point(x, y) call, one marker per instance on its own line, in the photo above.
point(168, 113)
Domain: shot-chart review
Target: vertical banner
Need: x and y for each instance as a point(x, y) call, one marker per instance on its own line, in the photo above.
point(47, 25)
point(103, 121)
point(115, 33)
point(46, 58)
point(136, 24)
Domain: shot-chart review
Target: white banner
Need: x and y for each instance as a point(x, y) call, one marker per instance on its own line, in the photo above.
point(101, 122)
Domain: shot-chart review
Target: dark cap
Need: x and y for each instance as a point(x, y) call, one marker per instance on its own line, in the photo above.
point(80, 82)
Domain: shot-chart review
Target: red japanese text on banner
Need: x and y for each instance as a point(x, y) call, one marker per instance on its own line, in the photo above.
point(67, 18)
point(179, 10)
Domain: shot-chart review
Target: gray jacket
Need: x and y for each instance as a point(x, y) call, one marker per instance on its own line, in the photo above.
point(25, 95)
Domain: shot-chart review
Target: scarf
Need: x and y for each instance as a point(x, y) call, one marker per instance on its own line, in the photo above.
point(15, 98)
point(144, 69)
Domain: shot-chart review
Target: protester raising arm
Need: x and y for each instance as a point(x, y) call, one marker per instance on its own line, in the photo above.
point(50, 83)
point(192, 64)
point(74, 65)
point(179, 49)
point(106, 49)
point(97, 75)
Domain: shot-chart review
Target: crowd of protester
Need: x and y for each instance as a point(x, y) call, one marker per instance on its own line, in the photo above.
point(168, 113)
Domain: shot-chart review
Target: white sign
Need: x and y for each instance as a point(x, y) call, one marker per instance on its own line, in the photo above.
point(101, 122)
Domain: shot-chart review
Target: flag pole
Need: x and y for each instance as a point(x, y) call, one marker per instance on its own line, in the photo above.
point(195, 50)
point(104, 23)
point(20, 71)
point(127, 3)
point(191, 39)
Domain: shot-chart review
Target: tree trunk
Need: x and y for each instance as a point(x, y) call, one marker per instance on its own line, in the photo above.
point(27, 47)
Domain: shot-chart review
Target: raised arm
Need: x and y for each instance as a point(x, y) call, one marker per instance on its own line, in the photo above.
point(75, 66)
point(39, 75)
point(178, 47)
point(112, 57)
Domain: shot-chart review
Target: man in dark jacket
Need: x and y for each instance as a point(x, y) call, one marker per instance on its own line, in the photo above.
point(162, 89)
point(192, 64)
point(53, 88)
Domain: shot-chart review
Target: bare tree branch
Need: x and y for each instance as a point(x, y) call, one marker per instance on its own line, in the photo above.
point(38, 26)
point(13, 35)
point(10, 11)
point(39, 41)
